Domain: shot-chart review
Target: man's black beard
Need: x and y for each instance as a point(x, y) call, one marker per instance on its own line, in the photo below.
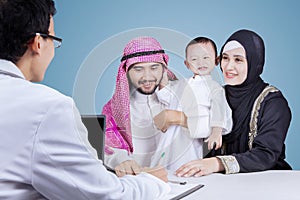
point(147, 93)
point(132, 87)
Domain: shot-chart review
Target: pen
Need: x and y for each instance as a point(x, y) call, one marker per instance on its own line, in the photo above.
point(177, 182)
point(109, 169)
point(162, 155)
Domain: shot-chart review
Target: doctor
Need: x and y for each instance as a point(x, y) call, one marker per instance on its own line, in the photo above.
point(44, 150)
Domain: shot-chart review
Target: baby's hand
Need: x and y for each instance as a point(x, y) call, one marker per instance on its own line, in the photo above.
point(164, 81)
point(215, 137)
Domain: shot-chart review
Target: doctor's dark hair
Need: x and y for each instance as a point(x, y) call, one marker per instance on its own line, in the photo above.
point(204, 40)
point(19, 21)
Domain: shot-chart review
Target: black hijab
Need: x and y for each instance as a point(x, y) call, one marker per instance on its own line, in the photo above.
point(241, 97)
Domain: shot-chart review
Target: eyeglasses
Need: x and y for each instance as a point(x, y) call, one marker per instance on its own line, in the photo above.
point(56, 41)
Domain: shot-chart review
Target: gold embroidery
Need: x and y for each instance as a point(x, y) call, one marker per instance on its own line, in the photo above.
point(255, 113)
point(230, 164)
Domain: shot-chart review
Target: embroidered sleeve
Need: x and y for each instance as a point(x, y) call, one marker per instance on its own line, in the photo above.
point(230, 164)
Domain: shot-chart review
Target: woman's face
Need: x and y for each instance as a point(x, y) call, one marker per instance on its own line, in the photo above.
point(234, 66)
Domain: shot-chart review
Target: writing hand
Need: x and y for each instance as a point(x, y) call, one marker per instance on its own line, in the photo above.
point(127, 167)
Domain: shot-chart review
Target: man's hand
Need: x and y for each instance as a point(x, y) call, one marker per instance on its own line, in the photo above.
point(167, 118)
point(128, 167)
point(161, 121)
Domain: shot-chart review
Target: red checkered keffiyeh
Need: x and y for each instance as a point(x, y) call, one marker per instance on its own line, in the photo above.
point(117, 111)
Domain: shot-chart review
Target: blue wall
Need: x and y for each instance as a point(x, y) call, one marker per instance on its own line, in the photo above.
point(94, 33)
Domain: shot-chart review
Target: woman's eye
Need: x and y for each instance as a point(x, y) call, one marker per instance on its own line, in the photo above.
point(224, 58)
point(238, 60)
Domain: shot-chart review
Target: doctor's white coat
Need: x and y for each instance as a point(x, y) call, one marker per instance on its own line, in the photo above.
point(45, 153)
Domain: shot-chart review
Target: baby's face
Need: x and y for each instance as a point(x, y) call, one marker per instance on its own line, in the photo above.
point(200, 58)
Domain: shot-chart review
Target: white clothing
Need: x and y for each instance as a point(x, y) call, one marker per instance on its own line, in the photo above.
point(145, 135)
point(211, 100)
point(146, 138)
point(144, 132)
point(45, 153)
point(203, 101)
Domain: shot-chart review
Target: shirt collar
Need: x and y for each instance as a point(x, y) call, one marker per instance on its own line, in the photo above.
point(201, 78)
point(9, 68)
point(139, 97)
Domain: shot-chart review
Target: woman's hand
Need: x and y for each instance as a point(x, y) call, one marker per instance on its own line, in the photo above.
point(200, 167)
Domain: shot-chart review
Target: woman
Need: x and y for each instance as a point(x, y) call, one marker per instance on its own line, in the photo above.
point(262, 148)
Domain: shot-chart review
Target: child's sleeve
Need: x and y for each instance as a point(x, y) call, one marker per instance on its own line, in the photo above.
point(220, 111)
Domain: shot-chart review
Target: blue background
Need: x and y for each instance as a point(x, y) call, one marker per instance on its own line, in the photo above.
point(94, 33)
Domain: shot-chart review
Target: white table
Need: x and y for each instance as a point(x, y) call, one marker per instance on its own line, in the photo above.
point(267, 185)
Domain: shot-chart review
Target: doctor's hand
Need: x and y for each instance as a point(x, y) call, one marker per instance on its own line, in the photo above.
point(128, 167)
point(200, 167)
point(158, 171)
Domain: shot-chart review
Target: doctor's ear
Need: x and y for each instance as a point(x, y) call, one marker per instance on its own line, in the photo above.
point(35, 44)
point(217, 61)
